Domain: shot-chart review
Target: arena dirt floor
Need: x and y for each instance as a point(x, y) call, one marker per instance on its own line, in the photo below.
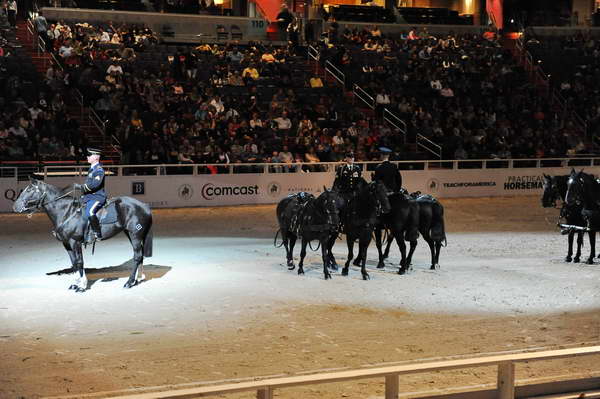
point(219, 305)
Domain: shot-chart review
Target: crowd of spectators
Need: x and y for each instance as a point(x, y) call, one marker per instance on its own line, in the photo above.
point(465, 92)
point(34, 122)
point(214, 103)
point(232, 103)
point(572, 63)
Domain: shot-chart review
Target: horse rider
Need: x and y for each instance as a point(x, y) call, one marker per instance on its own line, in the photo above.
point(348, 176)
point(387, 172)
point(94, 196)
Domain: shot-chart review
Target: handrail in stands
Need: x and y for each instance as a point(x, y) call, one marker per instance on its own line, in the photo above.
point(362, 95)
point(335, 72)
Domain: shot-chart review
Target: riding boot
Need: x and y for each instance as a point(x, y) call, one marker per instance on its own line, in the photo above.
point(95, 223)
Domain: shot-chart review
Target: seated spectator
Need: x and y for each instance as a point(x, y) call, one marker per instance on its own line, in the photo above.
point(250, 73)
point(284, 124)
point(316, 82)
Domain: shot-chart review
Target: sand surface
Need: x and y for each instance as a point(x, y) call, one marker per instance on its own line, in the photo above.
point(219, 305)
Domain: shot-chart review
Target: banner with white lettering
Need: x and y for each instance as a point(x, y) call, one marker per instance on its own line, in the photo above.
point(241, 189)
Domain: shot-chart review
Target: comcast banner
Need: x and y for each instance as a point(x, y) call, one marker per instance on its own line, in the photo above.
point(240, 189)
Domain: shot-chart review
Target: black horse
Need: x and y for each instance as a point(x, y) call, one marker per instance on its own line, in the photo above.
point(402, 223)
point(555, 188)
point(432, 226)
point(360, 218)
point(584, 190)
point(318, 219)
point(132, 217)
point(289, 213)
point(427, 214)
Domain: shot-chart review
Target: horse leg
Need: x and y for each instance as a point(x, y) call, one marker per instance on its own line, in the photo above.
point(411, 251)
point(380, 264)
point(72, 255)
point(390, 239)
point(570, 250)
point(81, 282)
point(350, 244)
point(590, 260)
point(579, 245)
point(332, 262)
point(363, 247)
point(325, 255)
point(302, 255)
point(431, 244)
point(402, 246)
point(289, 240)
point(138, 259)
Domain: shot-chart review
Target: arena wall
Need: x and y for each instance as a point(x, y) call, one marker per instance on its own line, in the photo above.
point(175, 191)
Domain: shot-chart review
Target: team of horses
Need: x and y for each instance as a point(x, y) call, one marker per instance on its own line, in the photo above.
point(580, 196)
point(368, 211)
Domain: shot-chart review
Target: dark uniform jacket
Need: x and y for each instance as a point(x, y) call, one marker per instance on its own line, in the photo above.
point(389, 174)
point(347, 177)
point(93, 188)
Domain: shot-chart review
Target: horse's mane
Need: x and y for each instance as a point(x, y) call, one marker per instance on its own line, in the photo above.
point(60, 191)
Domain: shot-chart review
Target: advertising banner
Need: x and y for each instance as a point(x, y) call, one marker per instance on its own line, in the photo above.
point(244, 189)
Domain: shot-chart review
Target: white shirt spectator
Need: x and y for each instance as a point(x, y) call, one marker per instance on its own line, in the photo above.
point(382, 99)
point(65, 51)
point(114, 68)
point(283, 123)
point(105, 37)
point(34, 112)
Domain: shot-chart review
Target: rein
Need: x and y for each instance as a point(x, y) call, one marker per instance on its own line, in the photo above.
point(40, 202)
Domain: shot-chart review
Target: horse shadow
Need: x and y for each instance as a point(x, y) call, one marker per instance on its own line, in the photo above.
point(112, 273)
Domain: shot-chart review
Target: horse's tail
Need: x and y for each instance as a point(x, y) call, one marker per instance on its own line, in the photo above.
point(148, 243)
point(438, 230)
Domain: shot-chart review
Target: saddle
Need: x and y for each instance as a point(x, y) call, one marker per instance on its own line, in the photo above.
point(108, 213)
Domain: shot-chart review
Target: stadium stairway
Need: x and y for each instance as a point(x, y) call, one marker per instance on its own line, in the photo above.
point(42, 60)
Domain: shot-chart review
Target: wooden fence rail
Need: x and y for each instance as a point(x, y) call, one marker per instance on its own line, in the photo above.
point(264, 388)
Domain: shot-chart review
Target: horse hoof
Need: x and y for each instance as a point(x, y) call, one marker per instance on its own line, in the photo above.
point(73, 287)
point(291, 267)
point(334, 267)
point(79, 289)
point(366, 276)
point(344, 272)
point(590, 261)
point(568, 259)
point(328, 276)
point(300, 272)
point(381, 265)
point(576, 260)
point(401, 272)
point(130, 284)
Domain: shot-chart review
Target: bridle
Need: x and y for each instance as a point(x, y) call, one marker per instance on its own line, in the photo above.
point(575, 188)
point(330, 204)
point(553, 193)
point(39, 203)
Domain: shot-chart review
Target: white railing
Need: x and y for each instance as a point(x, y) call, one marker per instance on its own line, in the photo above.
point(318, 167)
point(505, 381)
point(335, 73)
point(314, 55)
point(363, 96)
point(429, 146)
